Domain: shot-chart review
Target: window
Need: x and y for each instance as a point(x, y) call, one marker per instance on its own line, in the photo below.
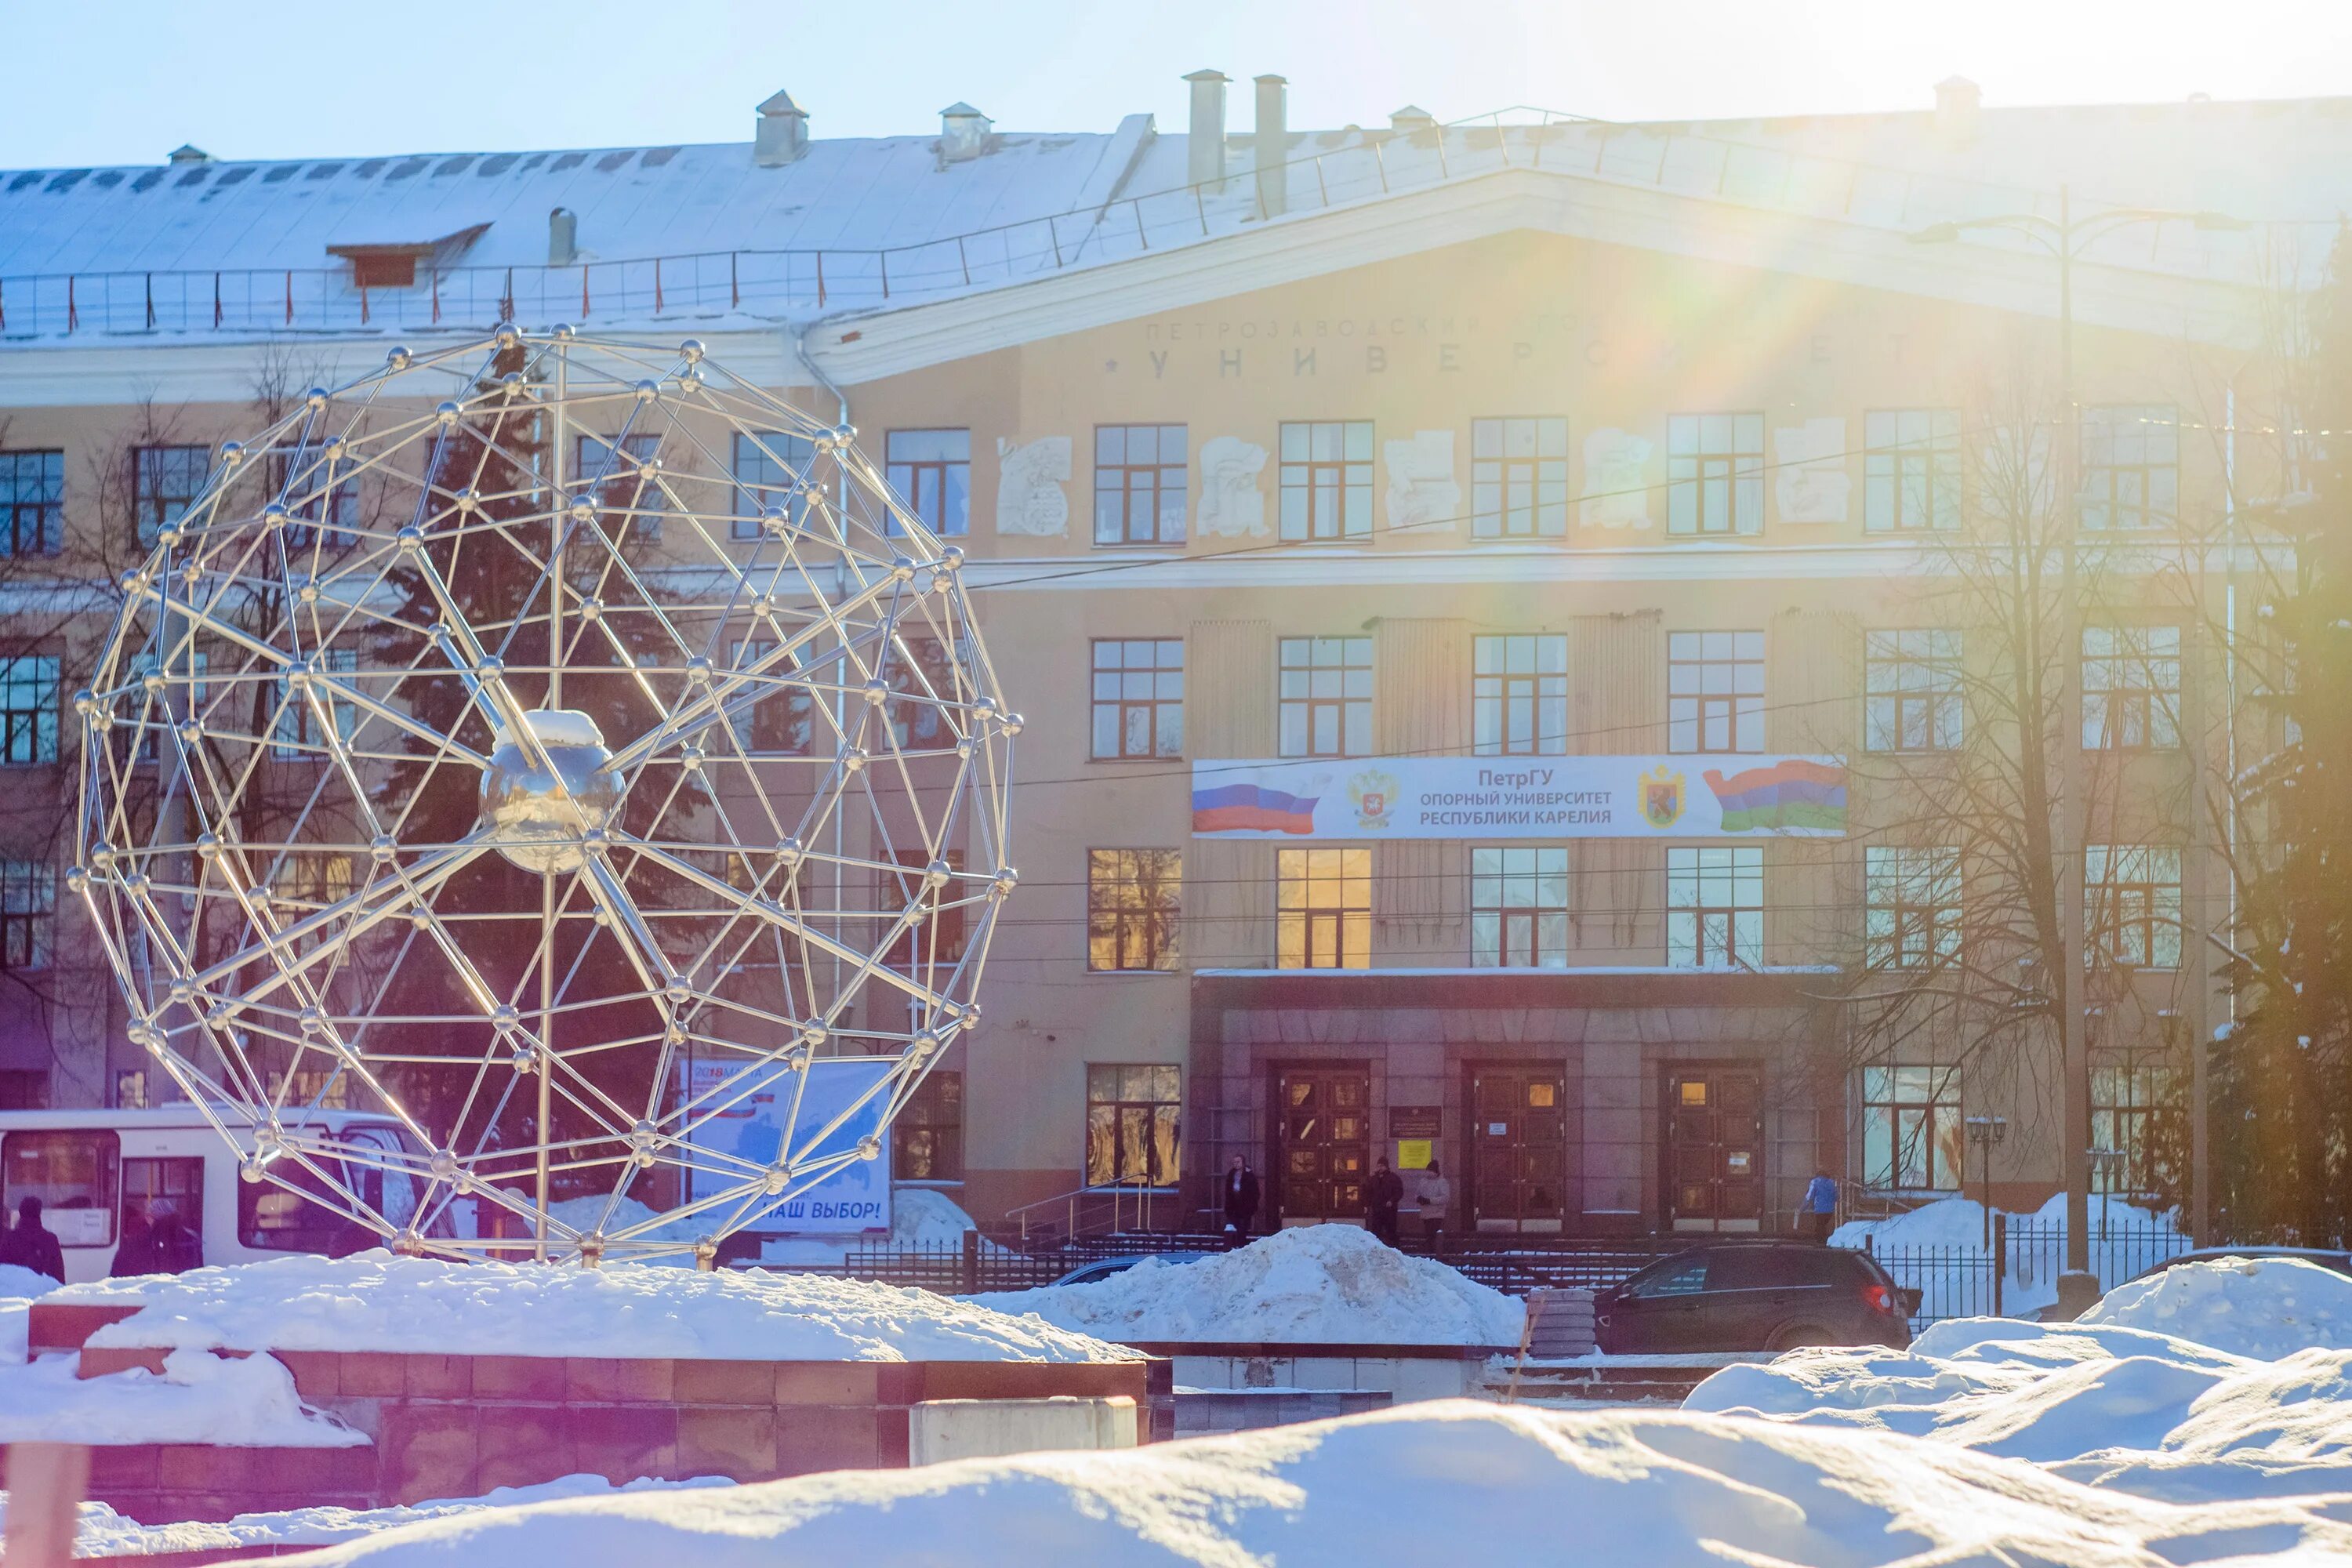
point(2131, 687)
point(2131, 465)
point(927, 1135)
point(1911, 906)
point(1326, 697)
point(305, 477)
point(1911, 682)
point(1519, 478)
point(1327, 481)
point(1140, 484)
point(28, 913)
point(2130, 1109)
point(917, 721)
point(28, 708)
point(1714, 473)
point(1518, 694)
point(1714, 691)
point(1912, 1135)
point(305, 881)
point(783, 717)
point(621, 476)
point(1139, 697)
point(1134, 907)
point(931, 472)
point(130, 1089)
point(1715, 908)
point(315, 1088)
point(32, 492)
point(939, 939)
point(1518, 907)
point(74, 1174)
point(1323, 909)
point(23, 1089)
point(1911, 470)
point(163, 481)
point(152, 1188)
point(297, 734)
point(2132, 905)
point(1133, 1116)
point(153, 718)
point(772, 469)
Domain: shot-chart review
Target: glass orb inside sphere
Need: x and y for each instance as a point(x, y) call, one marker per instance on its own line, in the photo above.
point(539, 800)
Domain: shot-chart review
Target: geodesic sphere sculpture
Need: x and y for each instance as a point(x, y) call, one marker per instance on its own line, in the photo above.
point(526, 764)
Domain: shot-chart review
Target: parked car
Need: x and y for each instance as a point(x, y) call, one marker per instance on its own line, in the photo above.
point(1754, 1296)
point(2341, 1262)
point(1102, 1268)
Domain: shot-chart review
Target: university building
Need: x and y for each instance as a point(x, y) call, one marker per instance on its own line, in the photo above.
point(1502, 609)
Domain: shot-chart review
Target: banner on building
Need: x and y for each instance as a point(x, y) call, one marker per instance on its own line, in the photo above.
point(753, 1103)
point(1737, 797)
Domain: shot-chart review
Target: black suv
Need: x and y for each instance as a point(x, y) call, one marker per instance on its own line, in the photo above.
point(1754, 1296)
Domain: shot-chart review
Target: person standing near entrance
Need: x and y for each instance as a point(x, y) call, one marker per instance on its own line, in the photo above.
point(1437, 1201)
point(31, 1245)
point(1241, 1200)
point(1817, 1212)
point(1382, 1199)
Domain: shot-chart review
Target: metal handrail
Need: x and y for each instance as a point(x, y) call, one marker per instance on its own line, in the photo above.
point(1118, 1193)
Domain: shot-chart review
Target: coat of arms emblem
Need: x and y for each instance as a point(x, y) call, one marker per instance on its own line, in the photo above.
point(1662, 796)
point(1374, 793)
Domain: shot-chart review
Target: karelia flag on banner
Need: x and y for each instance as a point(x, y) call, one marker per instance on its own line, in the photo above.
point(1791, 793)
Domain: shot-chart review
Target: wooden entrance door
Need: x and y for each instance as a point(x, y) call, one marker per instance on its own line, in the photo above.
point(1327, 1140)
point(1715, 1148)
point(1518, 1141)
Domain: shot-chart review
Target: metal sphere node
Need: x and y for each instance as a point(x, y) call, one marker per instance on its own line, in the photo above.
point(545, 836)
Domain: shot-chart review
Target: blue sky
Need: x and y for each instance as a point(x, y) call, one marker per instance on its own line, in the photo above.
point(124, 82)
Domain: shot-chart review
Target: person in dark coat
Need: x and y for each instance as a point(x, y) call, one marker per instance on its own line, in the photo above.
point(1380, 1200)
point(30, 1245)
point(135, 1254)
point(1240, 1192)
point(175, 1247)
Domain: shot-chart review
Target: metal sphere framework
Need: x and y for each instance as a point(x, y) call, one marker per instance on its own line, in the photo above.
point(568, 749)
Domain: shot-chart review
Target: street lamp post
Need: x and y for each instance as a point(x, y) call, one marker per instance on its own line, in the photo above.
point(2065, 238)
point(1984, 1132)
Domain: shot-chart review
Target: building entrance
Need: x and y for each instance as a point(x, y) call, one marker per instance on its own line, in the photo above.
point(1518, 1141)
point(1327, 1137)
point(1714, 1149)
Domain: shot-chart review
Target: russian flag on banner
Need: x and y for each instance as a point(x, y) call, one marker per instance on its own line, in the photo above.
point(1791, 793)
point(1251, 808)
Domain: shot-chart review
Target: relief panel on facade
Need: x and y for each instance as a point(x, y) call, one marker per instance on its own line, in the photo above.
point(1811, 483)
point(1029, 499)
point(1616, 479)
point(1231, 504)
point(1422, 492)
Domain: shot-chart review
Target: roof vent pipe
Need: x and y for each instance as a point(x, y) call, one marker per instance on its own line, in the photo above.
point(1272, 145)
point(1956, 99)
point(783, 132)
point(963, 132)
point(562, 237)
point(1204, 140)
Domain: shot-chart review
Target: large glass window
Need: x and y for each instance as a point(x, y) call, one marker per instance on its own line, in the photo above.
point(1714, 691)
point(1912, 692)
point(1519, 478)
point(1323, 909)
point(1911, 906)
point(1518, 694)
point(917, 721)
point(1715, 908)
point(1912, 1136)
point(1911, 470)
point(28, 708)
point(2131, 687)
point(164, 480)
point(938, 938)
point(1518, 906)
point(1714, 473)
point(783, 716)
point(1133, 1117)
point(621, 470)
point(771, 469)
point(2132, 905)
point(28, 913)
point(2131, 1103)
point(31, 502)
point(1134, 909)
point(300, 732)
point(1140, 484)
point(1326, 697)
point(76, 1175)
point(927, 1135)
point(1326, 479)
point(1139, 697)
point(931, 472)
point(2131, 465)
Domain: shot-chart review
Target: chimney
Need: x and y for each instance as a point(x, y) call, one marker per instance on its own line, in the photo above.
point(782, 133)
point(1956, 99)
point(562, 237)
point(1273, 145)
point(1412, 118)
point(1204, 141)
point(187, 153)
point(963, 132)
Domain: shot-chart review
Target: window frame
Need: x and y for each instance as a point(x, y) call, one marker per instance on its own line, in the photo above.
point(1350, 704)
point(1714, 480)
point(1114, 692)
point(1159, 1111)
point(1323, 482)
point(1692, 715)
point(1327, 887)
point(1898, 467)
point(1498, 696)
point(35, 729)
point(2111, 685)
point(1941, 1127)
point(105, 1148)
point(32, 929)
point(1706, 933)
point(949, 492)
point(37, 498)
point(294, 735)
point(2143, 904)
point(1117, 477)
point(1900, 668)
point(751, 450)
point(152, 512)
point(1918, 890)
point(924, 1114)
point(1128, 896)
point(1508, 884)
point(2102, 429)
point(1538, 477)
point(623, 488)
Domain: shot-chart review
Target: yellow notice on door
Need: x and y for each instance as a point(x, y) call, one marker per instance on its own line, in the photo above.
point(1412, 1154)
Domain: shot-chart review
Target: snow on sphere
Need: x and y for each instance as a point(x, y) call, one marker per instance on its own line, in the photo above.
point(442, 764)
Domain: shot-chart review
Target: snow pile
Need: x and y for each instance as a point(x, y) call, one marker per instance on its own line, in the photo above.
point(1331, 1284)
point(2261, 1306)
point(374, 1300)
point(22, 1284)
point(920, 1217)
point(247, 1402)
point(2124, 1238)
point(102, 1532)
point(1423, 1483)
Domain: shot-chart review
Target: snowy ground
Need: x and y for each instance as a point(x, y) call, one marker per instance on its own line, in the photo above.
point(1948, 1262)
point(1326, 1283)
point(200, 1398)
